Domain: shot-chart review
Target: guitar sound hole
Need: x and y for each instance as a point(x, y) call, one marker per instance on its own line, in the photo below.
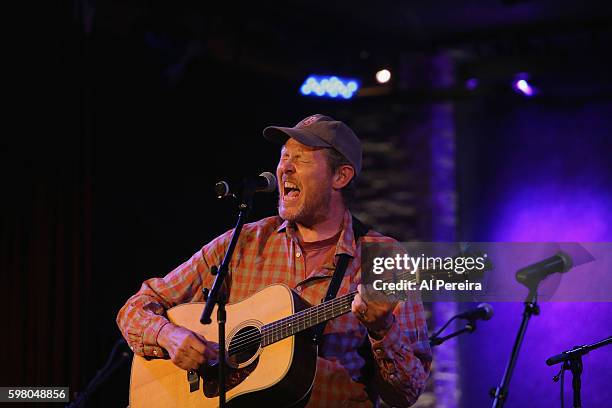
point(244, 345)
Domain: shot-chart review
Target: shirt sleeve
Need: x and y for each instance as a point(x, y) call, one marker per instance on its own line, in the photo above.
point(144, 314)
point(403, 356)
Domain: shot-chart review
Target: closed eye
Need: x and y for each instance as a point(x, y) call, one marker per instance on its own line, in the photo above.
point(296, 157)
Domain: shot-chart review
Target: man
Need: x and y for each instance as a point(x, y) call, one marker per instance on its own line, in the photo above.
point(320, 158)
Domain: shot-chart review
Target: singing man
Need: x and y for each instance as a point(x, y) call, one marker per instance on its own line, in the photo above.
point(379, 350)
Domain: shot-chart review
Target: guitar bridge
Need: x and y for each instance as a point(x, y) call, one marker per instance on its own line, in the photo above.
point(194, 380)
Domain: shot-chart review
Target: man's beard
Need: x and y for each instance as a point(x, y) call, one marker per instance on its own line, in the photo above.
point(311, 211)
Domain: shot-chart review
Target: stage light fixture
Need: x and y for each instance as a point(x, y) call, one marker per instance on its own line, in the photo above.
point(521, 85)
point(383, 76)
point(329, 87)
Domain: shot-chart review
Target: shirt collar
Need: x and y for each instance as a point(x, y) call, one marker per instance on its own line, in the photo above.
point(283, 226)
point(346, 242)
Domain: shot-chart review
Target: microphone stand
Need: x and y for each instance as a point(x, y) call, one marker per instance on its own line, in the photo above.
point(469, 327)
point(500, 393)
point(572, 360)
point(103, 374)
point(216, 297)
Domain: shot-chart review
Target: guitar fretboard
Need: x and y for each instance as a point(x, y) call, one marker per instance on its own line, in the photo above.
point(280, 329)
point(307, 318)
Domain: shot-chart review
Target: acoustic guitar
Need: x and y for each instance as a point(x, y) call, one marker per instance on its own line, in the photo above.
point(270, 354)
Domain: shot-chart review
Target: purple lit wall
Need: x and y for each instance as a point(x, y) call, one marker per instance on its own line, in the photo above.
point(536, 171)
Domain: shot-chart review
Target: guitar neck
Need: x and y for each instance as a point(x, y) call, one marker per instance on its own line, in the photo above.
point(307, 318)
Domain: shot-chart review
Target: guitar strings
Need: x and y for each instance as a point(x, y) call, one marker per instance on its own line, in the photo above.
point(253, 340)
point(246, 341)
point(283, 324)
point(272, 329)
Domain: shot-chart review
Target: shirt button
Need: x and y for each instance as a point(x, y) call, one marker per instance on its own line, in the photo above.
point(379, 352)
point(298, 254)
point(392, 377)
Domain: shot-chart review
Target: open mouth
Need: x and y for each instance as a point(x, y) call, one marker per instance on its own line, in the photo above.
point(291, 191)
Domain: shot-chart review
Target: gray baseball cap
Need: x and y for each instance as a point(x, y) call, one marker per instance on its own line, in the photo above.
point(321, 131)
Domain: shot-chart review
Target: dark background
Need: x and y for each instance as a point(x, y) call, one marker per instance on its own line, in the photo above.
point(127, 113)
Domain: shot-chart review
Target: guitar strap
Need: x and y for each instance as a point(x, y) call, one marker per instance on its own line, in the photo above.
point(359, 230)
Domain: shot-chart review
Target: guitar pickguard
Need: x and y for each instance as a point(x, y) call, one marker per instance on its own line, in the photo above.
point(233, 377)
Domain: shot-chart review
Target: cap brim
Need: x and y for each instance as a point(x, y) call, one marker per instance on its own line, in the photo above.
point(281, 134)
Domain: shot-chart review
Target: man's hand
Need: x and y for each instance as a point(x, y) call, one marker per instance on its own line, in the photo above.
point(376, 316)
point(188, 350)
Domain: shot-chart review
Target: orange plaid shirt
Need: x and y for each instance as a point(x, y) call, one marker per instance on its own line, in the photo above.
point(268, 252)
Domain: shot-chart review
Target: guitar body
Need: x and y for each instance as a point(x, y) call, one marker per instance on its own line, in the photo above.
point(279, 374)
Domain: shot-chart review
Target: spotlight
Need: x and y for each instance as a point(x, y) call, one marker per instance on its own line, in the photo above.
point(383, 76)
point(329, 87)
point(522, 86)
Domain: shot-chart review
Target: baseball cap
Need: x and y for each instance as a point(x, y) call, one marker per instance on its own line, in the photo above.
point(321, 131)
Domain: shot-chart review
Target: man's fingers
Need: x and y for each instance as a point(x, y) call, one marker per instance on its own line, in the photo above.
point(376, 299)
point(365, 292)
point(193, 364)
point(189, 361)
point(212, 351)
point(189, 350)
point(358, 305)
point(200, 359)
point(203, 350)
point(185, 362)
point(197, 342)
point(366, 295)
point(209, 349)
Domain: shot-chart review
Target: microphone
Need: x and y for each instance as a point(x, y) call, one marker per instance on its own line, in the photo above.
point(534, 273)
point(577, 351)
point(567, 355)
point(483, 311)
point(264, 183)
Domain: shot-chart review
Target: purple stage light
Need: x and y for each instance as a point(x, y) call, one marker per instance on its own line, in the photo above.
point(524, 87)
point(521, 85)
point(471, 84)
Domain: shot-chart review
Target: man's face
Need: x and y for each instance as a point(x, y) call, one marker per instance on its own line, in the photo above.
point(304, 183)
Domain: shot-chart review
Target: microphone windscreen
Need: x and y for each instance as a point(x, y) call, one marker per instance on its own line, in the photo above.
point(488, 310)
point(567, 261)
point(271, 187)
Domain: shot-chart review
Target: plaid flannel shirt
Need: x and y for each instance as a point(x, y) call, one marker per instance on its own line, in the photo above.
point(268, 252)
